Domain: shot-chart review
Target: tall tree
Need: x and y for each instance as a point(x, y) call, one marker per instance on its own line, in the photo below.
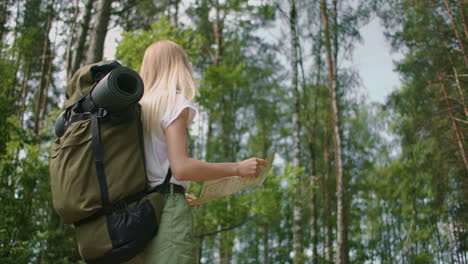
point(341, 243)
point(98, 35)
point(79, 46)
point(298, 199)
point(458, 37)
point(458, 136)
point(4, 15)
point(310, 111)
point(46, 59)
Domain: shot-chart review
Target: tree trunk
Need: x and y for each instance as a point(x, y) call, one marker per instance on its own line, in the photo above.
point(44, 70)
point(297, 214)
point(98, 36)
point(460, 91)
point(323, 181)
point(208, 152)
point(82, 34)
point(392, 230)
point(454, 123)
point(225, 246)
point(266, 248)
point(313, 183)
point(71, 40)
point(310, 122)
point(176, 13)
point(167, 10)
point(313, 204)
point(226, 237)
point(433, 220)
point(24, 94)
point(457, 33)
point(220, 247)
point(46, 89)
point(335, 52)
point(384, 244)
point(341, 243)
point(345, 216)
point(461, 6)
point(217, 30)
point(327, 204)
point(335, 44)
point(199, 250)
point(3, 18)
point(12, 93)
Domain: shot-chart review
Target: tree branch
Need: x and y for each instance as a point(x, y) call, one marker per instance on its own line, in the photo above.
point(219, 230)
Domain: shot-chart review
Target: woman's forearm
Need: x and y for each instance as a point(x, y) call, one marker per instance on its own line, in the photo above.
point(185, 168)
point(190, 169)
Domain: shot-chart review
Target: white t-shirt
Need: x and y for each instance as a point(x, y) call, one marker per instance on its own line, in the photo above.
point(157, 162)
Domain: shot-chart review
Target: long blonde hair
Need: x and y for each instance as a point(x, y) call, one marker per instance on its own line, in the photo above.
point(165, 71)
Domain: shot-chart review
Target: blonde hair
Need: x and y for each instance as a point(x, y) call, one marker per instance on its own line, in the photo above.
point(165, 71)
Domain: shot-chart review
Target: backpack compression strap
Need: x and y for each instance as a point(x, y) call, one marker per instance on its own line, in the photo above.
point(99, 161)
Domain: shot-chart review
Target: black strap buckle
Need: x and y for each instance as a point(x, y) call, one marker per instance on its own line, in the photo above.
point(101, 112)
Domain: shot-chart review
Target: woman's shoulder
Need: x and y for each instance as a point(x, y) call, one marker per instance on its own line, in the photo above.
point(180, 104)
point(181, 99)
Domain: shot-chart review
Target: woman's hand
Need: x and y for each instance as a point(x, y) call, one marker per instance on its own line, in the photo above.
point(190, 198)
point(250, 168)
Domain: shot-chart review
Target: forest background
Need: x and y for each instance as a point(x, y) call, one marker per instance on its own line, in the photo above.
point(353, 182)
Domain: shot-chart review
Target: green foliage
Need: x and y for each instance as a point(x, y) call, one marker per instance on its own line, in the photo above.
point(8, 78)
point(30, 226)
point(133, 45)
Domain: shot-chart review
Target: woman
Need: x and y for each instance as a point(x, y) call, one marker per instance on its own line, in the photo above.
point(166, 114)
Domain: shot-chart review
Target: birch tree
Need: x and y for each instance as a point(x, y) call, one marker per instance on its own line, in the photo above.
point(298, 204)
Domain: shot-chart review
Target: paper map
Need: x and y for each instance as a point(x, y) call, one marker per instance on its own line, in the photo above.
point(216, 189)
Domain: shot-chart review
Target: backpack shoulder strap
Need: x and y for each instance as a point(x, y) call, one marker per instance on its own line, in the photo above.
point(141, 139)
point(168, 176)
point(140, 134)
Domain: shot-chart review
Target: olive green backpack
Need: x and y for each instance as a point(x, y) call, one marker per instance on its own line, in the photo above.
point(97, 172)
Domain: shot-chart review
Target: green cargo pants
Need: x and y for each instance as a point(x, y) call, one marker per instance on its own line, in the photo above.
point(174, 243)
